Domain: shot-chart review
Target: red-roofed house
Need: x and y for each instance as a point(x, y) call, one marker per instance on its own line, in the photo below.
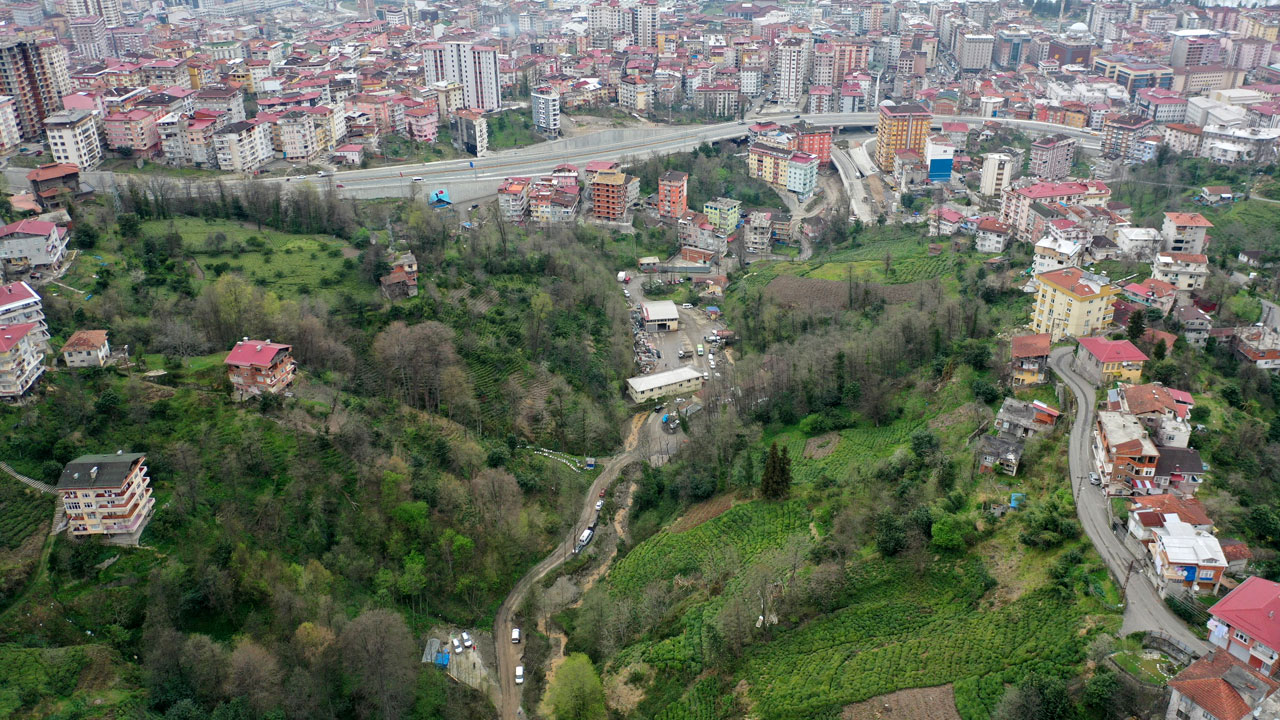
point(1184, 232)
point(31, 245)
point(258, 366)
point(1153, 293)
point(350, 154)
point(1148, 511)
point(1105, 361)
point(1246, 624)
point(87, 348)
point(1220, 687)
point(1072, 303)
point(1029, 357)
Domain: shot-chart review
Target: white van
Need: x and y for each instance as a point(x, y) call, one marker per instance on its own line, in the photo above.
point(515, 635)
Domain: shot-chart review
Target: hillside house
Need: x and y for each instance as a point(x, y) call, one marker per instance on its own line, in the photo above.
point(107, 494)
point(1196, 324)
point(1221, 687)
point(402, 281)
point(31, 244)
point(1029, 357)
point(259, 366)
point(1123, 453)
point(1021, 419)
point(999, 452)
point(1258, 346)
point(86, 348)
point(1164, 411)
point(21, 360)
point(1148, 511)
point(1184, 557)
point(1246, 625)
point(1105, 361)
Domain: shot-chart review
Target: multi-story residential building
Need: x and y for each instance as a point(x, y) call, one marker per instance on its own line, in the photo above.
point(1029, 357)
point(553, 204)
point(546, 110)
point(1246, 625)
point(1133, 75)
point(89, 37)
point(673, 194)
point(802, 174)
point(21, 359)
point(221, 98)
point(1107, 361)
point(473, 66)
point(635, 93)
point(1185, 271)
point(1162, 106)
point(107, 494)
point(991, 236)
point(813, 140)
point(902, 126)
point(1120, 134)
point(1184, 233)
point(470, 131)
point(1221, 687)
point(34, 72)
point(189, 140)
point(243, 146)
point(31, 244)
point(513, 198)
point(757, 232)
point(974, 50)
point(1052, 157)
point(721, 99)
point(86, 348)
point(723, 214)
point(423, 124)
point(108, 10)
point(997, 173)
point(1185, 557)
point(9, 135)
point(791, 59)
point(259, 366)
point(298, 137)
point(645, 23)
point(73, 138)
point(1258, 346)
point(1122, 451)
point(1072, 303)
point(134, 131)
point(609, 195)
point(1015, 206)
point(1182, 138)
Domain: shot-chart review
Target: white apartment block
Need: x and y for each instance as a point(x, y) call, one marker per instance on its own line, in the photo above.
point(790, 69)
point(973, 52)
point(298, 139)
point(474, 67)
point(108, 10)
point(243, 146)
point(21, 360)
point(9, 135)
point(73, 138)
point(546, 110)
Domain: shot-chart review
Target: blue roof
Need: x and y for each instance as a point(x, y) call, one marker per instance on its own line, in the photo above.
point(712, 308)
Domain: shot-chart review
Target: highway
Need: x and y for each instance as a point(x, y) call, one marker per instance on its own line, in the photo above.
point(480, 177)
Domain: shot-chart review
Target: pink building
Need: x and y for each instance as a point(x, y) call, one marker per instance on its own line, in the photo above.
point(133, 130)
point(423, 123)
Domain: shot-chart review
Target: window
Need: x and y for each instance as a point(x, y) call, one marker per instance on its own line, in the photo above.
point(1240, 636)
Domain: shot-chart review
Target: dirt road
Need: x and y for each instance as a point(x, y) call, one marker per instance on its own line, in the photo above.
point(509, 696)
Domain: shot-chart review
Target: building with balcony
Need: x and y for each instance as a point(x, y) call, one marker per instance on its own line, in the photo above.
point(1246, 625)
point(1184, 232)
point(257, 366)
point(1184, 271)
point(1123, 452)
point(1221, 687)
point(1072, 303)
point(73, 138)
point(31, 244)
point(513, 199)
point(723, 214)
point(107, 494)
point(903, 126)
point(20, 304)
point(86, 348)
point(1185, 557)
point(21, 360)
point(673, 194)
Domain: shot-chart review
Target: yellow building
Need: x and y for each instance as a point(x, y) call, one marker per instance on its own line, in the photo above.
point(1259, 26)
point(904, 126)
point(1072, 303)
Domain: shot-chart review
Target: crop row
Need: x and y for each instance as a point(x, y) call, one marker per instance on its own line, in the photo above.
point(22, 512)
point(750, 529)
point(857, 445)
point(705, 700)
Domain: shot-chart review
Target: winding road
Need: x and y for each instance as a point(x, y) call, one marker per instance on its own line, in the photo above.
point(1144, 609)
point(508, 700)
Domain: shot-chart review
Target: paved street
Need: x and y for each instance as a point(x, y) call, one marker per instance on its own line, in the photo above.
point(1144, 609)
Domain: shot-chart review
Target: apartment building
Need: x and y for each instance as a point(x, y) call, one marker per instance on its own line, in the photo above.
point(107, 494)
point(901, 126)
point(610, 192)
point(1029, 358)
point(513, 198)
point(470, 131)
point(791, 67)
point(9, 135)
point(474, 67)
point(1122, 451)
point(423, 123)
point(1246, 625)
point(1052, 157)
point(135, 131)
point(1120, 134)
point(1072, 303)
point(73, 138)
point(1185, 271)
point(546, 110)
point(997, 173)
point(1184, 233)
point(757, 232)
point(974, 50)
point(108, 10)
point(673, 194)
point(223, 99)
point(34, 73)
point(21, 359)
point(1015, 206)
point(243, 146)
point(635, 93)
point(723, 213)
point(259, 366)
point(89, 37)
point(1162, 106)
point(31, 244)
point(1107, 361)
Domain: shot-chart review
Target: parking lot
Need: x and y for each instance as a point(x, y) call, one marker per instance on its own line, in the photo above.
point(658, 351)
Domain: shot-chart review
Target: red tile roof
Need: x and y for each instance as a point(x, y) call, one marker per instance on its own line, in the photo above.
point(10, 335)
point(51, 171)
point(1031, 345)
point(1070, 279)
point(1233, 549)
point(1252, 608)
point(85, 340)
point(1188, 219)
point(15, 293)
point(1111, 351)
point(1204, 683)
point(1190, 510)
point(256, 353)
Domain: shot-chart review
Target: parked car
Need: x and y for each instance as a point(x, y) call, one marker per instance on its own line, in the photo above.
point(457, 646)
point(687, 306)
point(1094, 479)
point(626, 293)
point(519, 674)
point(515, 635)
point(599, 504)
point(466, 640)
point(417, 179)
point(301, 177)
point(602, 491)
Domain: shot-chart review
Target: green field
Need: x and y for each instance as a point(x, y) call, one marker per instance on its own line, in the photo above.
point(22, 512)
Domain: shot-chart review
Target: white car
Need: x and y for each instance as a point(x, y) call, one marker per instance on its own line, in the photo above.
point(515, 635)
point(687, 306)
point(626, 293)
point(466, 640)
point(711, 363)
point(457, 646)
point(599, 504)
point(417, 179)
point(519, 674)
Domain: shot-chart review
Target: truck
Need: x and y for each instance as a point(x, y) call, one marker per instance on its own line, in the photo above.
point(583, 539)
point(726, 336)
point(621, 276)
point(701, 350)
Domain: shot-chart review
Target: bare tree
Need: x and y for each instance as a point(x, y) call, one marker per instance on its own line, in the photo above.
point(204, 665)
point(413, 359)
point(254, 674)
point(377, 648)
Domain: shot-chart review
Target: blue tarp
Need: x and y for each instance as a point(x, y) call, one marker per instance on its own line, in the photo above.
point(442, 659)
